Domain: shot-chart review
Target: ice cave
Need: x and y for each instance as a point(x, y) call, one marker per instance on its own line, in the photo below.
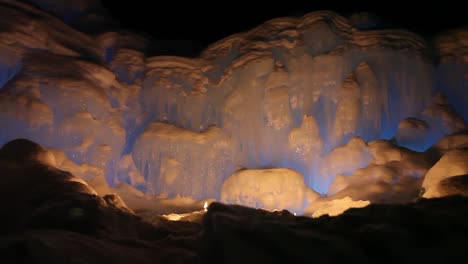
point(314, 114)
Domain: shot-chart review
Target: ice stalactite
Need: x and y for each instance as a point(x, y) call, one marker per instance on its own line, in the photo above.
point(305, 146)
point(260, 86)
point(298, 93)
point(174, 91)
point(176, 161)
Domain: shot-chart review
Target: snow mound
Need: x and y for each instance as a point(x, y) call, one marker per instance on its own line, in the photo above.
point(270, 189)
point(453, 163)
point(437, 120)
point(448, 143)
point(412, 132)
point(394, 175)
point(456, 185)
point(345, 159)
point(334, 207)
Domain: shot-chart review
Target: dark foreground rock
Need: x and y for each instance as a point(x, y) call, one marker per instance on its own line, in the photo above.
point(50, 216)
point(427, 231)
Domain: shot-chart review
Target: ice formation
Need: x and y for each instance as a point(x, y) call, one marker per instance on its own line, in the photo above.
point(438, 119)
point(337, 206)
point(170, 157)
point(21, 155)
point(391, 167)
point(299, 93)
point(452, 77)
point(271, 189)
point(451, 164)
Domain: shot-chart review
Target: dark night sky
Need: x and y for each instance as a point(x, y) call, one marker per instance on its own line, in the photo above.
point(205, 22)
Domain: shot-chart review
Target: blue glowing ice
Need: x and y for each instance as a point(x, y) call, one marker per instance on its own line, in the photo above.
point(286, 94)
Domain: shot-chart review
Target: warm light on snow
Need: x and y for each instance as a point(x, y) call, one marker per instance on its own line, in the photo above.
point(173, 217)
point(269, 189)
point(275, 117)
point(187, 216)
point(337, 206)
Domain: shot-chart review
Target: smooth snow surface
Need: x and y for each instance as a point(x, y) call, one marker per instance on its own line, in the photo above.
point(337, 206)
point(453, 163)
point(270, 189)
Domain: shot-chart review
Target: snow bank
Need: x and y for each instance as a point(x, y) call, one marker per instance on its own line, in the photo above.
point(270, 189)
point(453, 163)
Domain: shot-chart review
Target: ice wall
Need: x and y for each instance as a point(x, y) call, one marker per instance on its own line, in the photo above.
point(176, 161)
point(351, 83)
point(452, 70)
point(284, 94)
point(73, 108)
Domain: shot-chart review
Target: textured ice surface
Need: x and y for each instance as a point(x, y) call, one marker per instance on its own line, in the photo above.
point(270, 189)
point(128, 65)
point(393, 175)
point(448, 143)
point(74, 107)
point(438, 119)
point(282, 95)
point(344, 160)
point(176, 161)
point(453, 163)
point(452, 71)
point(335, 207)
